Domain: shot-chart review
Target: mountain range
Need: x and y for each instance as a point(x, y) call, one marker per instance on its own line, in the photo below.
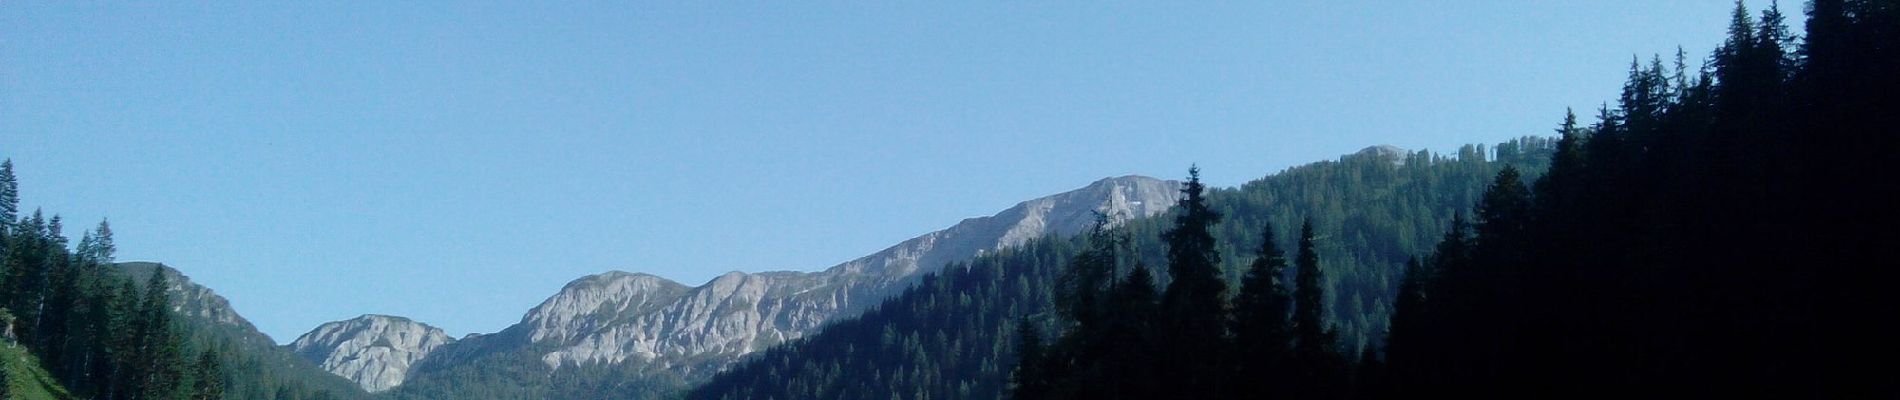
point(666, 333)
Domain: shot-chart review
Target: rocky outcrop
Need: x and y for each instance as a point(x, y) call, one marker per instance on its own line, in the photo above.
point(1391, 153)
point(664, 327)
point(188, 299)
point(375, 351)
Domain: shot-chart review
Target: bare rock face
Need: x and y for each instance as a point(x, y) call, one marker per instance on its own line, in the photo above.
point(375, 351)
point(691, 333)
point(669, 331)
point(1387, 152)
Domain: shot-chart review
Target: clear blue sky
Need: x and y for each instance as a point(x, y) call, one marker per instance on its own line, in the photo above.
point(458, 164)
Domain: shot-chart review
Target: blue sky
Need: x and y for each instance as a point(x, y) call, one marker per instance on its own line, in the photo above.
point(459, 163)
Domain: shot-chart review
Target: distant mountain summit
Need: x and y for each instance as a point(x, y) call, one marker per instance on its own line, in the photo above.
point(1385, 151)
point(672, 332)
point(375, 351)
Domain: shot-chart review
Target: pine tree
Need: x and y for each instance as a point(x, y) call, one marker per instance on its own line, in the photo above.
point(1261, 335)
point(1193, 305)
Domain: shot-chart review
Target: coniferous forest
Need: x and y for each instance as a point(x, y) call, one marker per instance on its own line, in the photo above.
point(1716, 229)
point(91, 328)
point(1721, 227)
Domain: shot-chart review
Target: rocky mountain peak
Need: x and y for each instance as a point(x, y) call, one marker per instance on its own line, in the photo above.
point(668, 330)
point(375, 351)
point(594, 299)
point(1384, 151)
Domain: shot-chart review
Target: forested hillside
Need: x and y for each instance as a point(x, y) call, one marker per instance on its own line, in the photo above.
point(103, 335)
point(1719, 230)
point(952, 336)
point(1716, 231)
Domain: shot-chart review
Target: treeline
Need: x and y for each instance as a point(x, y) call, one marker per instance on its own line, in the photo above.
point(1709, 234)
point(953, 335)
point(1120, 338)
point(102, 334)
point(1719, 229)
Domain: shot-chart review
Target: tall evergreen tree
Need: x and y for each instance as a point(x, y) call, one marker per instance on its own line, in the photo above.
point(101, 251)
point(9, 197)
point(1193, 306)
point(1261, 335)
point(27, 266)
point(1309, 296)
point(1504, 215)
point(1314, 347)
point(159, 358)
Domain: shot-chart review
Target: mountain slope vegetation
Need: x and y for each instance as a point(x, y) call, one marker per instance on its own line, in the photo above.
point(953, 335)
point(1710, 233)
point(21, 377)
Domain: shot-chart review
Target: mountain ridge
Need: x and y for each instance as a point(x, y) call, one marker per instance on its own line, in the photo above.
point(659, 327)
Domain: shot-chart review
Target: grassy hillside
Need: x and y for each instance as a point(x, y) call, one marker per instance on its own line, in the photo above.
point(23, 377)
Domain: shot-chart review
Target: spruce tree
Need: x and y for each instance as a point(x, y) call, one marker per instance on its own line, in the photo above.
point(1314, 346)
point(9, 197)
point(1261, 335)
point(1193, 305)
point(1504, 214)
point(1311, 337)
point(102, 248)
point(158, 357)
